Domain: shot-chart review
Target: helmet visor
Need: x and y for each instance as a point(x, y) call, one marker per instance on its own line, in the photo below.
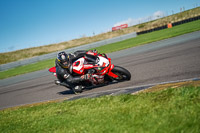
point(65, 64)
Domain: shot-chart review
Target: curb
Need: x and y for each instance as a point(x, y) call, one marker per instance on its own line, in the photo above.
point(114, 92)
point(126, 90)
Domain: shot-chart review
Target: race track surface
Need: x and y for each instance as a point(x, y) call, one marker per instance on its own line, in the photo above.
point(166, 63)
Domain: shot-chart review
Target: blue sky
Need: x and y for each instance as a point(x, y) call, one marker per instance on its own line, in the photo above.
point(31, 23)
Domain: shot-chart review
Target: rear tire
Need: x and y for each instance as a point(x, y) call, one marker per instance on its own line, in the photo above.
point(123, 73)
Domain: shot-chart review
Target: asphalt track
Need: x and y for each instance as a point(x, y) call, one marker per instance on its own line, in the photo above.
point(168, 60)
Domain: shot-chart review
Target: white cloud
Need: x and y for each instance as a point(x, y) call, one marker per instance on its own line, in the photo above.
point(132, 21)
point(158, 14)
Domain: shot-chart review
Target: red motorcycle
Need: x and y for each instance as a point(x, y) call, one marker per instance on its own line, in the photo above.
point(101, 70)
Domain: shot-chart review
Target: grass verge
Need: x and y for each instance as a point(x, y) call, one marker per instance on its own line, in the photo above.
point(168, 110)
point(151, 37)
point(139, 40)
point(27, 68)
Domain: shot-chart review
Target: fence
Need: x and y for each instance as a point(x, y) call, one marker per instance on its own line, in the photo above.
point(53, 55)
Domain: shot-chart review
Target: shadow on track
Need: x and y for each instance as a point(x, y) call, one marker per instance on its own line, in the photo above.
point(69, 91)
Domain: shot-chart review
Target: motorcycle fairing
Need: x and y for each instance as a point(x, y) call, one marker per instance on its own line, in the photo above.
point(52, 70)
point(78, 66)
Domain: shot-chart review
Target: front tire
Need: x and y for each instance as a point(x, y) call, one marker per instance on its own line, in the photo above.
point(123, 74)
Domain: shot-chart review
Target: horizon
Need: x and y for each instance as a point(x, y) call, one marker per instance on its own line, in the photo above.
point(26, 24)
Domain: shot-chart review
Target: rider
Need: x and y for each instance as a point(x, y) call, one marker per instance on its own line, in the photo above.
point(64, 70)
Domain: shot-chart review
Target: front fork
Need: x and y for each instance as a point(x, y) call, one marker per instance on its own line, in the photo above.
point(111, 74)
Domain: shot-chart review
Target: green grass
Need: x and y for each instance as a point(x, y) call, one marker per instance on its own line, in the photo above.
point(139, 40)
point(152, 37)
point(27, 68)
point(171, 110)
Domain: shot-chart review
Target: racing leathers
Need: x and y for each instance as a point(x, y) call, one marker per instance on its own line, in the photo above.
point(66, 75)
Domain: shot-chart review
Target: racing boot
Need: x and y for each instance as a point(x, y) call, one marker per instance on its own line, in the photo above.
point(78, 89)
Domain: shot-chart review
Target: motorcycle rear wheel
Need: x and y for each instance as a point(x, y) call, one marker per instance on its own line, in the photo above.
point(123, 74)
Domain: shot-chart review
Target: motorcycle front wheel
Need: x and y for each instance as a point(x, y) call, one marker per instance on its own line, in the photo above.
point(122, 73)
